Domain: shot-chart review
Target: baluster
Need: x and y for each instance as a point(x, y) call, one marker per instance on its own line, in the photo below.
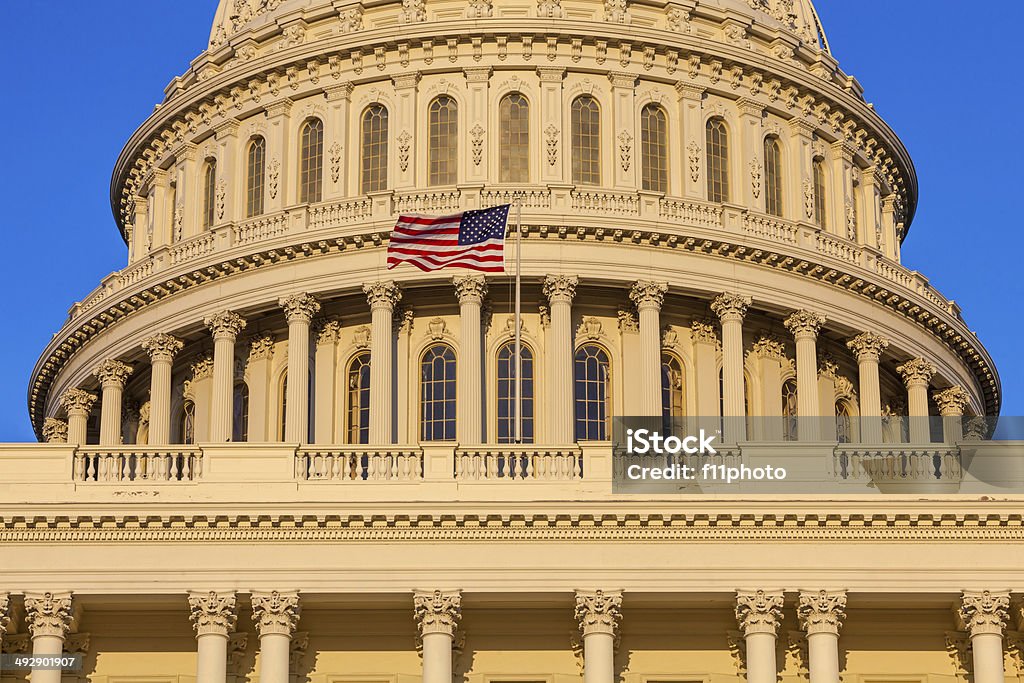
point(578, 465)
point(335, 469)
point(374, 465)
point(394, 466)
point(512, 466)
point(531, 459)
point(197, 469)
point(105, 468)
point(79, 468)
point(492, 465)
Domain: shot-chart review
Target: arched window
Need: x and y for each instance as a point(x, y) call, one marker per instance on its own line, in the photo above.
point(718, 160)
point(240, 422)
point(187, 426)
point(789, 410)
point(437, 394)
point(375, 149)
point(514, 143)
point(358, 401)
point(311, 161)
point(283, 405)
point(443, 152)
point(820, 193)
point(593, 395)
point(654, 148)
point(673, 389)
point(209, 193)
point(772, 176)
point(586, 141)
point(256, 167)
point(844, 422)
point(507, 393)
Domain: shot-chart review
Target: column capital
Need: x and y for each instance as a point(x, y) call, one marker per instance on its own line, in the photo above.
point(868, 346)
point(162, 347)
point(202, 367)
point(821, 611)
point(437, 611)
point(212, 613)
point(560, 288)
point(299, 307)
point(598, 611)
point(78, 400)
point(275, 612)
point(703, 332)
point(689, 91)
point(327, 332)
point(262, 347)
point(225, 325)
point(383, 295)
point(470, 288)
point(731, 307)
point(916, 372)
point(769, 347)
point(551, 74)
point(49, 614)
point(55, 431)
point(646, 294)
point(113, 373)
point(5, 613)
point(952, 401)
point(805, 324)
point(984, 611)
point(759, 611)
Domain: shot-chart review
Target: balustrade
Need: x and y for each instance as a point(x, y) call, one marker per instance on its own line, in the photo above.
point(518, 464)
point(356, 465)
point(175, 464)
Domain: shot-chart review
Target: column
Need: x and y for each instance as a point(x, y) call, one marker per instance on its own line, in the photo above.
point(705, 360)
point(690, 99)
point(770, 353)
point(648, 298)
point(231, 167)
point(202, 393)
point(326, 382)
point(750, 163)
point(801, 159)
point(55, 430)
point(161, 211)
point(868, 348)
point(78, 406)
point(383, 297)
point(140, 225)
point(952, 403)
point(623, 131)
point(821, 616)
point(188, 193)
point(598, 614)
point(984, 615)
point(406, 128)
point(805, 325)
point(731, 309)
point(113, 375)
point(336, 140)
point(49, 617)
point(279, 160)
point(759, 614)
point(917, 374)
point(560, 291)
point(890, 243)
point(871, 212)
point(477, 83)
point(261, 354)
point(225, 326)
point(437, 615)
point(470, 290)
point(553, 159)
point(162, 348)
point(213, 616)
point(842, 189)
point(299, 310)
point(276, 616)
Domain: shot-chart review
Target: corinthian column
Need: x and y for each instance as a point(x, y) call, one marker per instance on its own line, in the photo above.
point(162, 348)
point(5, 613)
point(78, 405)
point(276, 616)
point(55, 430)
point(560, 291)
point(437, 615)
point(225, 326)
point(49, 617)
point(952, 403)
point(821, 616)
point(213, 617)
point(648, 298)
point(299, 310)
point(598, 613)
point(731, 309)
point(113, 375)
point(984, 615)
point(917, 374)
point(868, 348)
point(759, 614)
point(383, 297)
point(470, 290)
point(805, 325)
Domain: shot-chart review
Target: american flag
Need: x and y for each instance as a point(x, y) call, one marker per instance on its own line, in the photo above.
point(471, 239)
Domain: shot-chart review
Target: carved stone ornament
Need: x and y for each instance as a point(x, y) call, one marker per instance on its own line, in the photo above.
point(225, 325)
point(551, 140)
point(669, 338)
point(755, 178)
point(328, 332)
point(78, 400)
point(693, 153)
point(470, 288)
point(549, 9)
point(625, 149)
point(958, 646)
point(162, 347)
point(220, 198)
point(560, 288)
point(273, 176)
point(413, 11)
point(591, 328)
point(262, 347)
point(437, 612)
point(297, 650)
point(334, 154)
point(5, 613)
point(48, 614)
point(615, 12)
point(202, 367)
point(805, 324)
point(382, 295)
point(731, 307)
point(822, 611)
point(212, 613)
point(275, 612)
point(952, 401)
point(677, 19)
point(917, 371)
point(404, 138)
point(350, 20)
point(113, 373)
point(598, 611)
point(476, 136)
point(809, 199)
point(868, 346)
point(510, 326)
point(628, 321)
point(438, 328)
point(769, 347)
point(55, 431)
point(361, 337)
point(646, 294)
point(984, 612)
point(759, 611)
point(703, 331)
point(479, 9)
point(299, 307)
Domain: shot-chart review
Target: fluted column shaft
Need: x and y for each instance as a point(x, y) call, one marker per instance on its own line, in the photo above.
point(649, 297)
point(560, 291)
point(917, 375)
point(759, 614)
point(225, 327)
point(382, 297)
point(470, 290)
point(805, 325)
point(985, 615)
point(868, 348)
point(276, 616)
point(162, 349)
point(213, 616)
point(598, 614)
point(952, 403)
point(821, 615)
point(78, 406)
point(49, 617)
point(731, 309)
point(113, 375)
point(437, 617)
point(299, 310)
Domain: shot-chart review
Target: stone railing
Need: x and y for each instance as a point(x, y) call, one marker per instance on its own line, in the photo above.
point(690, 212)
point(427, 202)
point(843, 250)
point(340, 213)
point(898, 465)
point(532, 198)
point(261, 228)
point(768, 228)
point(518, 464)
point(606, 202)
point(357, 465)
point(193, 248)
point(131, 464)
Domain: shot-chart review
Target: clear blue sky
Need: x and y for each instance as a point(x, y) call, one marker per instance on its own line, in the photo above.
point(82, 75)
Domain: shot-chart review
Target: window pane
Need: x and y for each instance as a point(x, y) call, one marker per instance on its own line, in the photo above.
point(359, 399)
point(593, 393)
point(256, 171)
point(820, 196)
point(443, 148)
point(437, 394)
point(375, 149)
point(507, 393)
point(311, 162)
point(718, 161)
point(209, 193)
point(773, 176)
point(514, 152)
point(586, 141)
point(654, 148)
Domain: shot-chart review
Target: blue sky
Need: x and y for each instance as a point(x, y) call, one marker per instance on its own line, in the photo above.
point(83, 75)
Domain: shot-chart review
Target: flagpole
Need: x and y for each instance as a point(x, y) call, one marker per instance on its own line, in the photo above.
point(518, 438)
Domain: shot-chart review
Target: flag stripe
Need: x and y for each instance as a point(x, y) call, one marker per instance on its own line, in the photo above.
point(472, 239)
